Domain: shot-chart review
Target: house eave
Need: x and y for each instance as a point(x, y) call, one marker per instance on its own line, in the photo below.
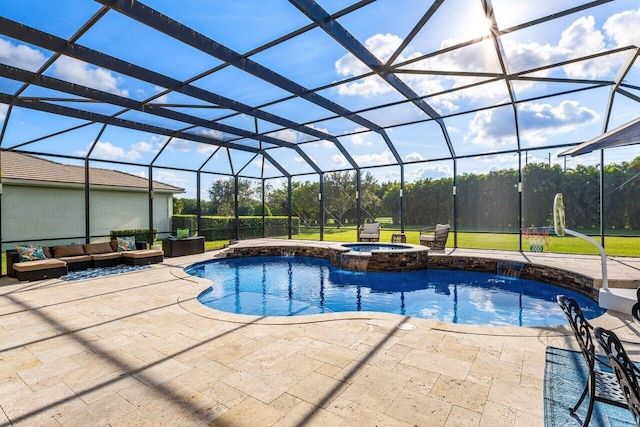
point(56, 184)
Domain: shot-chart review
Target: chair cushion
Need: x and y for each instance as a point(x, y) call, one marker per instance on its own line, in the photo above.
point(67, 251)
point(371, 228)
point(441, 227)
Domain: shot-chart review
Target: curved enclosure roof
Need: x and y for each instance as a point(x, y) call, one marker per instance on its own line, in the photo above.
point(281, 88)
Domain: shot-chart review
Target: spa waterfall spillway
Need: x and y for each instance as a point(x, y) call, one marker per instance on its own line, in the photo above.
point(620, 300)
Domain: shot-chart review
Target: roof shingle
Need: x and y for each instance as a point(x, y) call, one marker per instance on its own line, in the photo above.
point(24, 167)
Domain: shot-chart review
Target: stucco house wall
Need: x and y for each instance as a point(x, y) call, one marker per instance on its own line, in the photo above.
point(56, 213)
point(43, 202)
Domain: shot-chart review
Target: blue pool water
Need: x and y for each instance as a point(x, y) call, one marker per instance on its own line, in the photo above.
point(292, 286)
point(368, 247)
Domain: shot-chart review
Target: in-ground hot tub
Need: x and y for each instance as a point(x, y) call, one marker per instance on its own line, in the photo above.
point(368, 247)
point(380, 256)
point(366, 256)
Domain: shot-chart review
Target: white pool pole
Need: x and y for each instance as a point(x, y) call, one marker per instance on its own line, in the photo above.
point(558, 225)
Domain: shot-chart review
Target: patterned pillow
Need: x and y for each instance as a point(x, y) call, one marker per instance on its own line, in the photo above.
point(126, 243)
point(30, 252)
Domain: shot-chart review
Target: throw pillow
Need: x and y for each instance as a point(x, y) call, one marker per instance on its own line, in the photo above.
point(30, 252)
point(126, 243)
point(182, 233)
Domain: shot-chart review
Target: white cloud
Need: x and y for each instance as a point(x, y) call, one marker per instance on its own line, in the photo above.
point(413, 157)
point(181, 145)
point(205, 148)
point(211, 133)
point(382, 46)
point(360, 139)
point(622, 28)
point(339, 161)
point(106, 150)
point(81, 73)
point(428, 170)
point(288, 135)
point(142, 146)
point(168, 177)
point(492, 127)
point(324, 144)
point(383, 158)
point(537, 121)
point(164, 99)
point(3, 111)
point(580, 38)
point(21, 56)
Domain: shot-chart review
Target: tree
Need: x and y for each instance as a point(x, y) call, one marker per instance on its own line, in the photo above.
point(222, 195)
point(304, 198)
point(370, 203)
point(177, 206)
point(339, 194)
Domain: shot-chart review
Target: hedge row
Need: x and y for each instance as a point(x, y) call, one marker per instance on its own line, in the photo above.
point(223, 227)
point(141, 234)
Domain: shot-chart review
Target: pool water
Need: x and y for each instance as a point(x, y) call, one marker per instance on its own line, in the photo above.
point(368, 247)
point(293, 286)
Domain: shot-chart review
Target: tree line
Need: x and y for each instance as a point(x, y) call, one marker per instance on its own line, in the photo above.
point(484, 202)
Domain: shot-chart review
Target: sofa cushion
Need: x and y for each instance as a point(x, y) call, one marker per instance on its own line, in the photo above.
point(75, 258)
point(126, 243)
point(30, 252)
point(106, 255)
point(47, 252)
point(40, 264)
point(97, 248)
point(67, 251)
point(142, 253)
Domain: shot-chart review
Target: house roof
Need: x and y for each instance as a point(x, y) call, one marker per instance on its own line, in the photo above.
point(24, 167)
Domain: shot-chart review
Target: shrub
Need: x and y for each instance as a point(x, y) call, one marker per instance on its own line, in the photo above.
point(141, 234)
point(223, 227)
point(184, 221)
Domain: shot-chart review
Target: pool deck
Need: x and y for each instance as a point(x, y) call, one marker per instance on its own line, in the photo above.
point(138, 349)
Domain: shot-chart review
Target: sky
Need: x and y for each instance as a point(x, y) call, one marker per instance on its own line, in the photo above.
point(477, 117)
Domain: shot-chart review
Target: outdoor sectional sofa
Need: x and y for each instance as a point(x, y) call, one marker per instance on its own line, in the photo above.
point(62, 259)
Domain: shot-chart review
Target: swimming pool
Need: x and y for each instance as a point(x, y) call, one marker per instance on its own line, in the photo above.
point(293, 286)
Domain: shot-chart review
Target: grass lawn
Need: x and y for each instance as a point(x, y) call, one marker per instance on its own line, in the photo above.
point(623, 246)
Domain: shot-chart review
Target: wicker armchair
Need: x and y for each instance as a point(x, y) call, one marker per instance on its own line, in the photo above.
point(369, 232)
point(435, 237)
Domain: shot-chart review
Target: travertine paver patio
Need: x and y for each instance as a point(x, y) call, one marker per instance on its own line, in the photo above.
point(138, 349)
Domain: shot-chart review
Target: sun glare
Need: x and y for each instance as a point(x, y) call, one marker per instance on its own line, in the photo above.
point(475, 25)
